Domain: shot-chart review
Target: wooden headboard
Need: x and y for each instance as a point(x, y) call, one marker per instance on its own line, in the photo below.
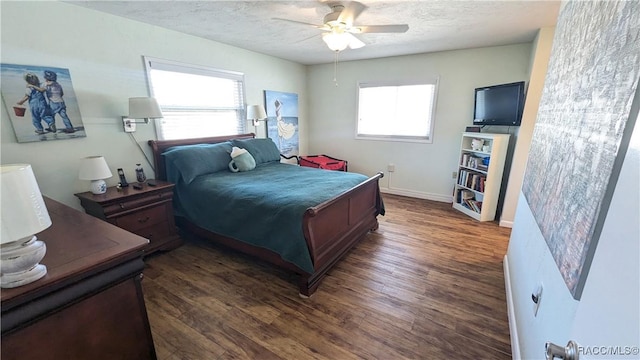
point(159, 146)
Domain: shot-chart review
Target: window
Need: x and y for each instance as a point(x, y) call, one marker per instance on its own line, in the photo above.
point(196, 101)
point(400, 112)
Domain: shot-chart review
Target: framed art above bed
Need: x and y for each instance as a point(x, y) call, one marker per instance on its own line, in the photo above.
point(282, 120)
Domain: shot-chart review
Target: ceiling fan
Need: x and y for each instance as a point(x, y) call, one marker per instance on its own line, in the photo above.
point(339, 26)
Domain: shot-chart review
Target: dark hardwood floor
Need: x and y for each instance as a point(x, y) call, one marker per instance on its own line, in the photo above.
point(427, 285)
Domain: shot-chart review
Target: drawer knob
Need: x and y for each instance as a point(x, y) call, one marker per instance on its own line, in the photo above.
point(121, 206)
point(144, 220)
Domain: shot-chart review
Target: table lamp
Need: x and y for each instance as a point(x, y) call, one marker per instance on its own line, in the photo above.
point(95, 168)
point(24, 214)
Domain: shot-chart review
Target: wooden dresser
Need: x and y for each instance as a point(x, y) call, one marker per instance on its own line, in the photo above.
point(147, 212)
point(90, 304)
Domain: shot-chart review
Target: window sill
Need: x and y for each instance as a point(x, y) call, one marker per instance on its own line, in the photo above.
point(395, 139)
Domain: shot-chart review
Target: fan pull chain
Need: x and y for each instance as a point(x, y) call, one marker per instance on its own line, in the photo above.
point(335, 69)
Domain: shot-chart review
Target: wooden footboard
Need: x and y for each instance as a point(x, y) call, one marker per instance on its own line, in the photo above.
point(331, 229)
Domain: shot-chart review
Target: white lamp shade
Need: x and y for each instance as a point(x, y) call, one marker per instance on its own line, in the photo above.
point(94, 168)
point(256, 112)
point(23, 210)
point(144, 108)
point(336, 41)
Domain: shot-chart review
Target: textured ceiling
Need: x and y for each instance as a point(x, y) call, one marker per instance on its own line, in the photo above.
point(433, 25)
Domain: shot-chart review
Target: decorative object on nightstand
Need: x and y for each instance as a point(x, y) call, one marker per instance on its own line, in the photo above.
point(24, 214)
point(140, 176)
point(95, 168)
point(147, 212)
point(141, 108)
point(256, 113)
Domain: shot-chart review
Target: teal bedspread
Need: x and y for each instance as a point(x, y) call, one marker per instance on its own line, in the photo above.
point(263, 207)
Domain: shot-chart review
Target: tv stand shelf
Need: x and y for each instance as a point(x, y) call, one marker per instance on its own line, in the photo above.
point(478, 185)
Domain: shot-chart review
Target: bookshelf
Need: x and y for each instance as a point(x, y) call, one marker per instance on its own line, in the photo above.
point(480, 168)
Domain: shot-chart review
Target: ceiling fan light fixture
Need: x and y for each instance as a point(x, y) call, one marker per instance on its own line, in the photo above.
point(336, 41)
point(354, 42)
point(340, 29)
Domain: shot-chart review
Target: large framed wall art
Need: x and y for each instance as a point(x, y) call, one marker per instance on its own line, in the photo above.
point(584, 124)
point(282, 120)
point(41, 103)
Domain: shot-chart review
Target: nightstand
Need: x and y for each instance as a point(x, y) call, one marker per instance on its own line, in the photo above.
point(147, 212)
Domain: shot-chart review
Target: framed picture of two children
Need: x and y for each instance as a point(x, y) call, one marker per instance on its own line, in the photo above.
point(41, 103)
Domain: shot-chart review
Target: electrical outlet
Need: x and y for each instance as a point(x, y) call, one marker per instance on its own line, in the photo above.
point(129, 126)
point(391, 167)
point(454, 175)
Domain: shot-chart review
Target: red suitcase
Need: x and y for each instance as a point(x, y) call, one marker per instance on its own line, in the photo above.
point(323, 162)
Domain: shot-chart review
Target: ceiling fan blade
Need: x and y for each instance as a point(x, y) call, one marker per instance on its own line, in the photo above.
point(398, 28)
point(307, 38)
point(354, 42)
point(351, 12)
point(324, 27)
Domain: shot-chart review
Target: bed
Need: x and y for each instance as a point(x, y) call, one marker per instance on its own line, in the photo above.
point(304, 228)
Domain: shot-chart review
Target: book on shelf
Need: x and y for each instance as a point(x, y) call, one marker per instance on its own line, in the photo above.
point(472, 180)
point(469, 204)
point(472, 205)
point(465, 159)
point(473, 162)
point(462, 180)
point(466, 195)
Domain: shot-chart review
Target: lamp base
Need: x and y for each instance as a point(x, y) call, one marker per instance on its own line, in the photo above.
point(8, 281)
point(98, 187)
point(20, 262)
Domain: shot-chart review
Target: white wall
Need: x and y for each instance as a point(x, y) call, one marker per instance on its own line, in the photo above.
point(609, 310)
point(608, 313)
point(422, 170)
point(540, 59)
point(104, 56)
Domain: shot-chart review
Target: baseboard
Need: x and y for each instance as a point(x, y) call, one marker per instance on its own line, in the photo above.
point(513, 328)
point(505, 223)
point(417, 194)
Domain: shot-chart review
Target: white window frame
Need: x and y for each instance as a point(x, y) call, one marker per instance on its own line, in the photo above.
point(420, 139)
point(175, 66)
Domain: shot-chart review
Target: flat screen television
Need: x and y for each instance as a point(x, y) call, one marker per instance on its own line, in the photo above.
point(499, 104)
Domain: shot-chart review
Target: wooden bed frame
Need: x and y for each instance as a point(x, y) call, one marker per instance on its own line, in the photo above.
point(330, 229)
